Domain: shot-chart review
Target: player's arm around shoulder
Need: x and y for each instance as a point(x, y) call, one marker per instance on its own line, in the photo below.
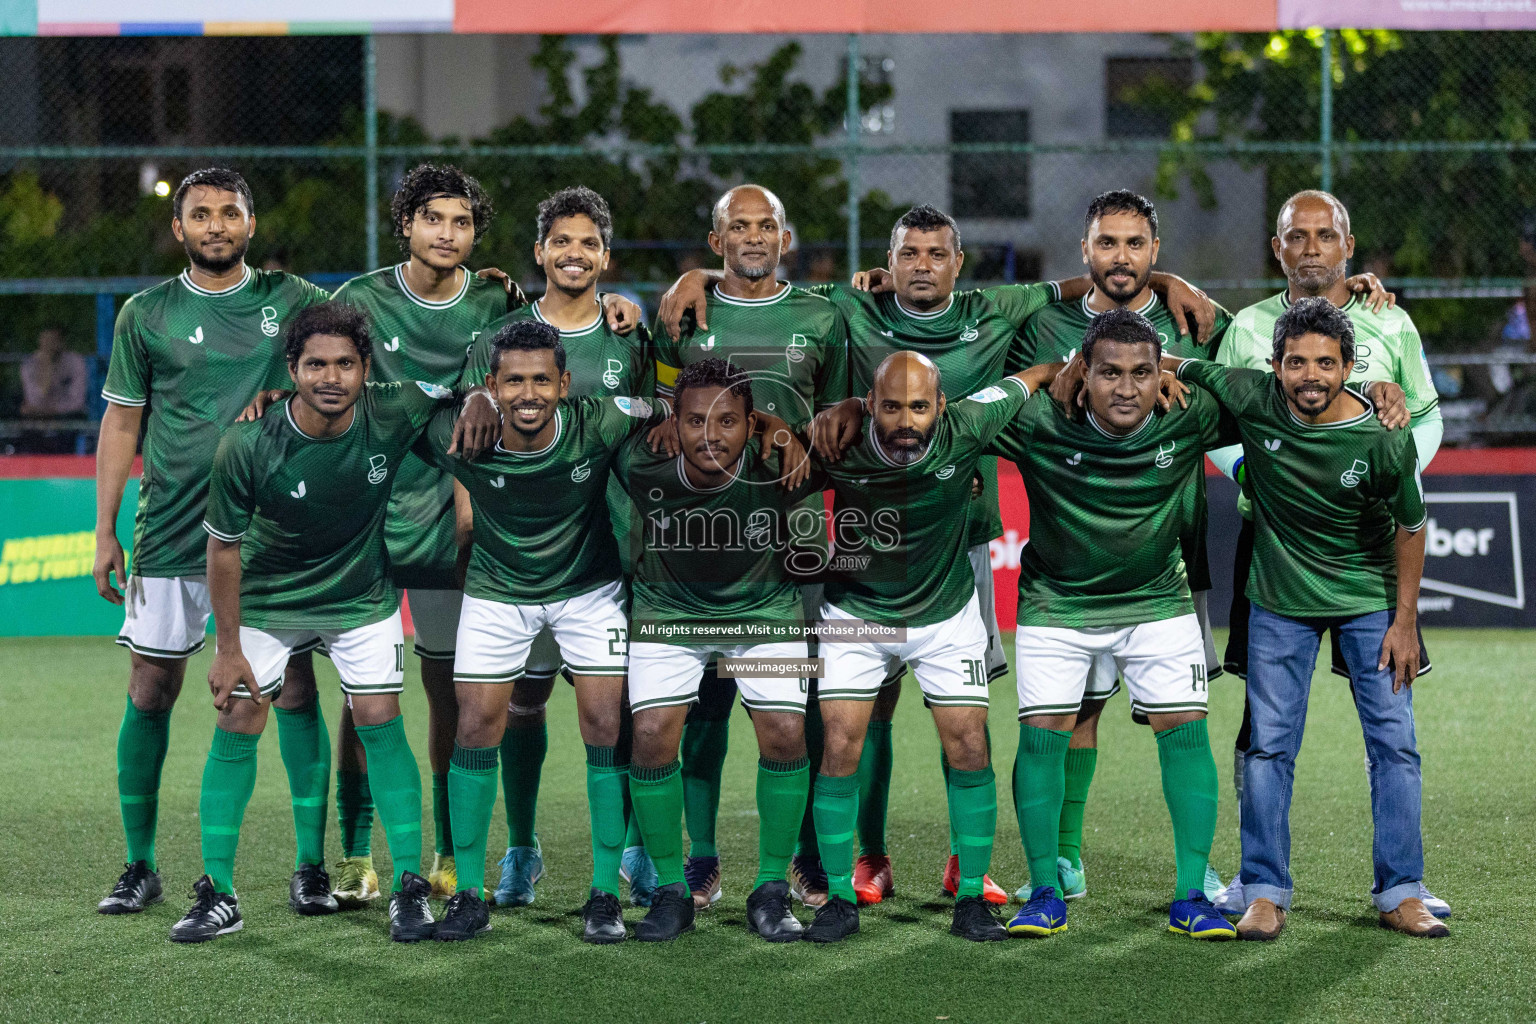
point(1234, 388)
point(979, 417)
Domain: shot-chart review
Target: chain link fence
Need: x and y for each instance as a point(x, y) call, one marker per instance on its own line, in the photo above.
point(1426, 136)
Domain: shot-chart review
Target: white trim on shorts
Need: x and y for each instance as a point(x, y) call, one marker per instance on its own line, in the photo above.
point(1162, 662)
point(434, 622)
point(667, 675)
point(370, 659)
point(495, 637)
point(948, 658)
point(165, 616)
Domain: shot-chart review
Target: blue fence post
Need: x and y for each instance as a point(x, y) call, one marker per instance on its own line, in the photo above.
point(106, 317)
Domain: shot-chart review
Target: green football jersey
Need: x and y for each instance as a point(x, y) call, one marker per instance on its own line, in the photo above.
point(414, 339)
point(1327, 498)
point(309, 512)
point(1387, 347)
point(1055, 333)
point(712, 557)
point(541, 531)
point(600, 361)
point(900, 532)
point(794, 346)
point(968, 340)
point(196, 358)
point(1108, 513)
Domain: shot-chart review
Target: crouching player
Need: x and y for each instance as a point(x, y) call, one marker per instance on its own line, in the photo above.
point(543, 555)
point(1103, 574)
point(711, 580)
point(296, 555)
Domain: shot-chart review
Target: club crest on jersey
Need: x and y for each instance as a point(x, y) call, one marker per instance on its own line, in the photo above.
point(1351, 476)
point(1076, 458)
point(392, 345)
point(298, 493)
point(970, 333)
point(1165, 455)
point(946, 472)
point(581, 472)
point(1273, 445)
point(795, 353)
point(758, 526)
point(376, 470)
point(196, 337)
point(269, 321)
point(499, 482)
point(636, 407)
point(436, 391)
point(611, 375)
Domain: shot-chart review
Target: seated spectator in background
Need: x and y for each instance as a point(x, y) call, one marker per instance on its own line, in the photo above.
point(53, 379)
point(53, 383)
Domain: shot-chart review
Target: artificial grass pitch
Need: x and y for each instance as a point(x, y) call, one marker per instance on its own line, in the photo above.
point(61, 848)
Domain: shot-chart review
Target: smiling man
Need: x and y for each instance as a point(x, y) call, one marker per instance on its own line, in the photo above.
point(297, 558)
point(187, 355)
point(575, 241)
point(1338, 544)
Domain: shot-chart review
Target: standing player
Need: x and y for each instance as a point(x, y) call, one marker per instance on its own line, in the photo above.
point(901, 520)
point(575, 237)
point(710, 580)
point(1120, 247)
point(194, 351)
point(425, 312)
point(793, 346)
point(912, 305)
point(1338, 512)
point(1104, 576)
point(543, 555)
point(296, 556)
point(1313, 244)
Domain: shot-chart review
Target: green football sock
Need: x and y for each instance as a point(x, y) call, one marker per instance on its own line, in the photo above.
point(815, 746)
point(1189, 786)
point(471, 796)
point(657, 795)
point(605, 803)
point(142, 741)
point(1079, 776)
point(306, 750)
point(396, 783)
point(1037, 788)
point(973, 819)
point(354, 813)
point(522, 762)
point(874, 787)
point(836, 804)
point(442, 819)
point(781, 796)
point(703, 759)
point(229, 777)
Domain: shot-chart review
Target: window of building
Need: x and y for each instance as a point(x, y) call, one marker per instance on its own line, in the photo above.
point(992, 184)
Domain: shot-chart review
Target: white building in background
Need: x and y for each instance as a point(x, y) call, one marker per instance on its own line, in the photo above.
point(1027, 88)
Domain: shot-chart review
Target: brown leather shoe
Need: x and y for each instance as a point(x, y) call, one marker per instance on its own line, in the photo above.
point(1262, 921)
point(1412, 918)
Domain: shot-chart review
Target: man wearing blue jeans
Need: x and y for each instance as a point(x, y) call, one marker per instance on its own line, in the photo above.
point(1339, 517)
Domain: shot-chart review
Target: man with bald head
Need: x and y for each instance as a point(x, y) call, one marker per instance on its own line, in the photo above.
point(793, 348)
point(1313, 244)
point(900, 592)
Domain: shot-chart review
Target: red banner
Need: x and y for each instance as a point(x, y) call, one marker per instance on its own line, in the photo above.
point(637, 16)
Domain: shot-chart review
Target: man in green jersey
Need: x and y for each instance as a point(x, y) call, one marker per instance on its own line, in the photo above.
point(711, 580)
point(193, 351)
point(900, 592)
point(912, 305)
point(793, 345)
point(297, 557)
point(575, 239)
point(1338, 512)
point(1105, 577)
point(543, 555)
point(425, 312)
point(1313, 244)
